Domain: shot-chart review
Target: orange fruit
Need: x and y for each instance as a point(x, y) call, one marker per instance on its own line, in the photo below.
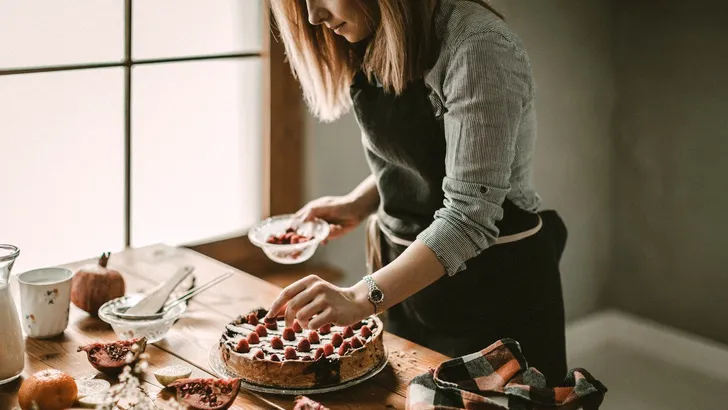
point(49, 389)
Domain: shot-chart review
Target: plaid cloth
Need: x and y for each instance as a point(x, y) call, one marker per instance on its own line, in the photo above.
point(498, 378)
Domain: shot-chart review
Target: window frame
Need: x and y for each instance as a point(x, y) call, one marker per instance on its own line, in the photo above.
point(283, 142)
point(282, 130)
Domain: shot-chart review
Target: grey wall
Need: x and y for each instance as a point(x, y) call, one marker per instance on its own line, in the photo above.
point(335, 164)
point(570, 47)
point(671, 164)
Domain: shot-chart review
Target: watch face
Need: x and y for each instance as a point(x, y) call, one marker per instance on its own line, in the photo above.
point(376, 296)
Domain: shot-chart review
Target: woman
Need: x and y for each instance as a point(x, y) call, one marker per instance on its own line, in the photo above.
point(443, 93)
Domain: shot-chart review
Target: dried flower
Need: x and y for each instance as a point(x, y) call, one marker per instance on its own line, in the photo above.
point(140, 367)
point(128, 394)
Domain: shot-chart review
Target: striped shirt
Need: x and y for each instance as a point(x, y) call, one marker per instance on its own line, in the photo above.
point(480, 94)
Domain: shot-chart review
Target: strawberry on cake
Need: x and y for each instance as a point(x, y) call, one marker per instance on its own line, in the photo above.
point(265, 352)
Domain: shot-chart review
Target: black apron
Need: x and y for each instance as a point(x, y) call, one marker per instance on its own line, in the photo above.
point(510, 290)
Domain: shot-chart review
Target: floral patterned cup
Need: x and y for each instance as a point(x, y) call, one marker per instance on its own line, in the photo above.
point(45, 300)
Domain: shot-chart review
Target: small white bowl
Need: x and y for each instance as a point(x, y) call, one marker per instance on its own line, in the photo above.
point(154, 330)
point(288, 254)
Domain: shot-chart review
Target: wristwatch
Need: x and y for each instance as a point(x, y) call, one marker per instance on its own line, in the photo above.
point(376, 296)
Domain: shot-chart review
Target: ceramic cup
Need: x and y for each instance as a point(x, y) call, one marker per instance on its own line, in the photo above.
point(45, 300)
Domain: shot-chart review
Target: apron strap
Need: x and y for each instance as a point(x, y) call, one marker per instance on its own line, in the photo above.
point(373, 243)
point(374, 240)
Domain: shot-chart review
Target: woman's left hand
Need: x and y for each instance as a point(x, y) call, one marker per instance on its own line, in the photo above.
point(315, 302)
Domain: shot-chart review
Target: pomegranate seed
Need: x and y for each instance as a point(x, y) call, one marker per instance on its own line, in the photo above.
point(336, 339)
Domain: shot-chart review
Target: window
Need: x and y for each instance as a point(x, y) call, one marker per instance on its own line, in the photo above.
point(128, 123)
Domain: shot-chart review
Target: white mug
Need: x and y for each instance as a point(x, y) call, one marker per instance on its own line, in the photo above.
point(45, 300)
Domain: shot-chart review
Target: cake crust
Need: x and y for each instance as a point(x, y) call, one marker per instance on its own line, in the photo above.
point(278, 366)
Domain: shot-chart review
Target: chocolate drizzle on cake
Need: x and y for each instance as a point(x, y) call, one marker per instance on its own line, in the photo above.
point(266, 364)
point(240, 328)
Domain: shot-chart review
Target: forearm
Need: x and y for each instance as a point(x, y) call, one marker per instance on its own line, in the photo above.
point(416, 268)
point(315, 302)
point(366, 195)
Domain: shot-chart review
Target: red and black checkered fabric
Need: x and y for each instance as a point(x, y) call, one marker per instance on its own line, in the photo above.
point(497, 378)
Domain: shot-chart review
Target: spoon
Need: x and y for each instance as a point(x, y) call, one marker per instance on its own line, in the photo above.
point(153, 302)
point(123, 312)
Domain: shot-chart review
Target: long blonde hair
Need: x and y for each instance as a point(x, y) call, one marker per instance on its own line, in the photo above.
point(400, 50)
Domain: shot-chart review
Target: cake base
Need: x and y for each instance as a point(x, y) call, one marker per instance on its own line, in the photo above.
point(220, 369)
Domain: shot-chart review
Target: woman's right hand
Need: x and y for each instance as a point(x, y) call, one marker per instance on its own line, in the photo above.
point(341, 212)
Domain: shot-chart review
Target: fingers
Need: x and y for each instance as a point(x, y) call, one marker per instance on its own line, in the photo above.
point(289, 293)
point(301, 300)
point(335, 231)
point(322, 212)
point(316, 306)
point(318, 208)
point(321, 319)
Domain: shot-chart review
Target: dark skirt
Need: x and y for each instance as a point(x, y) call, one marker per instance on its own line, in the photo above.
point(510, 290)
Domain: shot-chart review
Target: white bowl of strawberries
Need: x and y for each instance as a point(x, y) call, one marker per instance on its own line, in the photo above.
point(286, 244)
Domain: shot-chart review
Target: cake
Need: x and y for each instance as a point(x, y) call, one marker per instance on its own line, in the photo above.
point(266, 353)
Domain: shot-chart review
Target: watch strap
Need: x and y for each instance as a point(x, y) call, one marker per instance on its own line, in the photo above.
point(372, 288)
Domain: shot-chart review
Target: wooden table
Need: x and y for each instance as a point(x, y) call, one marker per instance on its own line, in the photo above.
point(191, 338)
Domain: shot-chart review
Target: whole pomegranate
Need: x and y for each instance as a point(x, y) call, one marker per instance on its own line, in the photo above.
point(94, 285)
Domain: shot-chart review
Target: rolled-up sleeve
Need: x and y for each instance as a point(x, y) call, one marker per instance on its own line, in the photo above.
point(486, 87)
